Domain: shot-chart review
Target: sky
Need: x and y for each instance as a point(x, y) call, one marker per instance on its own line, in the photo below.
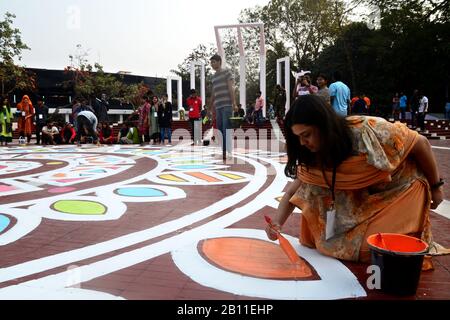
point(144, 37)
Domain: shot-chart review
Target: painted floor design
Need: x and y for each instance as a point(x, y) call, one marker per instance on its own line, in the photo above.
point(134, 222)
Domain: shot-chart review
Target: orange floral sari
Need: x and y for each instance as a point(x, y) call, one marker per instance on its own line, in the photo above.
point(379, 189)
point(25, 123)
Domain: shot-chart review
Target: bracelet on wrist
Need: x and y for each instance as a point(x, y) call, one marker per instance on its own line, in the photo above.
point(437, 184)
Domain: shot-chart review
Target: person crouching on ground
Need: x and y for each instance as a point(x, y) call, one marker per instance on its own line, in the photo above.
point(106, 134)
point(68, 134)
point(86, 126)
point(50, 134)
point(375, 175)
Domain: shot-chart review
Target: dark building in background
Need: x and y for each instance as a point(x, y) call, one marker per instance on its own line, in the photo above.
point(50, 84)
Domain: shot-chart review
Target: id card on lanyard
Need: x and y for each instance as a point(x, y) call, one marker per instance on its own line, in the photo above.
point(331, 212)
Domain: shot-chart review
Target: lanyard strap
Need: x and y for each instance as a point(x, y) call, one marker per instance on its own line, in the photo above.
point(333, 184)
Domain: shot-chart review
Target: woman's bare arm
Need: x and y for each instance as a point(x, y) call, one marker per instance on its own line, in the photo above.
point(426, 161)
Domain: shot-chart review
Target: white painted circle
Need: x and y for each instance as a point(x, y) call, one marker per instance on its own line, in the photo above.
point(337, 282)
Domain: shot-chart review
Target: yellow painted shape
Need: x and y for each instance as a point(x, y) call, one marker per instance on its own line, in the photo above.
point(54, 163)
point(171, 177)
point(231, 176)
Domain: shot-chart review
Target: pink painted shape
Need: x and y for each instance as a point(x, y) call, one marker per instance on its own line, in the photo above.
point(5, 188)
point(68, 180)
point(3, 167)
point(62, 190)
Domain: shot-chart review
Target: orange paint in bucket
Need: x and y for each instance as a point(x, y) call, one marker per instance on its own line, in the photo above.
point(400, 259)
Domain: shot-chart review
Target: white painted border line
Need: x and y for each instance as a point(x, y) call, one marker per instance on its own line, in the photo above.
point(442, 148)
point(130, 258)
point(50, 262)
point(443, 209)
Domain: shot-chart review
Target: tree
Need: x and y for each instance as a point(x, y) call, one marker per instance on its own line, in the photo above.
point(134, 94)
point(304, 26)
point(13, 76)
point(91, 81)
point(437, 11)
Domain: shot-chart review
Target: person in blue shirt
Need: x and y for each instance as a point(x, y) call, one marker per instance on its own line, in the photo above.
point(339, 95)
point(447, 110)
point(403, 103)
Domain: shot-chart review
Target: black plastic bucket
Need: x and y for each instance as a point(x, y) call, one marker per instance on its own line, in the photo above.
point(400, 259)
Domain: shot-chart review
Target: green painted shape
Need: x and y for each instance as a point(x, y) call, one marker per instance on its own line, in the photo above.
point(79, 207)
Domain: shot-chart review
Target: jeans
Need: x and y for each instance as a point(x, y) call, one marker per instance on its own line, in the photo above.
point(39, 132)
point(163, 134)
point(447, 111)
point(223, 123)
point(403, 112)
point(421, 120)
point(83, 125)
point(196, 128)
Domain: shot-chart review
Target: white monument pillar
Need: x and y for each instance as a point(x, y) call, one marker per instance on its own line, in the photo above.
point(242, 59)
point(179, 90)
point(287, 78)
point(262, 67)
point(202, 79)
point(242, 72)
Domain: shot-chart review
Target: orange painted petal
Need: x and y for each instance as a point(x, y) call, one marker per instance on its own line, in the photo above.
point(255, 258)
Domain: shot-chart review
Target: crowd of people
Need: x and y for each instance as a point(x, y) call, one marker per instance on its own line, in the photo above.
point(88, 123)
point(154, 115)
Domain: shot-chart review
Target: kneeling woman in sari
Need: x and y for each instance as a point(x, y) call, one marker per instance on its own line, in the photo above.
point(354, 177)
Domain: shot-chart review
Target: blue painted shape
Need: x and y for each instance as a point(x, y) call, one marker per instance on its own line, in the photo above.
point(140, 192)
point(154, 153)
point(192, 166)
point(112, 159)
point(4, 222)
point(97, 171)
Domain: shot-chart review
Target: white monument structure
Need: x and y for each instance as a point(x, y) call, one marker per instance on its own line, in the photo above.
point(179, 90)
point(202, 78)
point(242, 59)
point(287, 79)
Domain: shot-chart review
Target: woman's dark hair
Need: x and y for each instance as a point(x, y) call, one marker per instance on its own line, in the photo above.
point(323, 76)
point(8, 103)
point(216, 57)
point(106, 130)
point(335, 135)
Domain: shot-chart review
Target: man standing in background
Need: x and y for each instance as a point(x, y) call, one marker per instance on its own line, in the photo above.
point(423, 109)
point(195, 105)
point(280, 102)
point(101, 109)
point(339, 95)
point(223, 102)
point(403, 103)
point(41, 113)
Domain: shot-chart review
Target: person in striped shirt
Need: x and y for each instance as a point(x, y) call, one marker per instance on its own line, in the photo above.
point(223, 101)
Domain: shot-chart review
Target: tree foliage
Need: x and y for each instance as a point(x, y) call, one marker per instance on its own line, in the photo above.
point(398, 45)
point(12, 75)
point(409, 50)
point(304, 26)
point(91, 81)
